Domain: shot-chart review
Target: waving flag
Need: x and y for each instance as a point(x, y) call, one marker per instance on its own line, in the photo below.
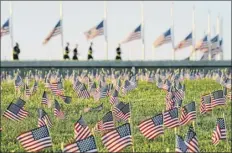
point(153, 127)
point(205, 104)
point(218, 98)
point(18, 82)
point(57, 110)
point(83, 93)
point(118, 139)
point(171, 118)
point(5, 29)
point(45, 98)
point(114, 97)
point(15, 112)
point(215, 42)
point(43, 119)
point(122, 111)
point(20, 103)
point(85, 145)
point(136, 34)
point(186, 42)
point(56, 31)
point(36, 139)
point(188, 113)
point(106, 123)
point(163, 39)
point(81, 129)
point(219, 132)
point(180, 145)
point(95, 31)
point(192, 141)
point(202, 45)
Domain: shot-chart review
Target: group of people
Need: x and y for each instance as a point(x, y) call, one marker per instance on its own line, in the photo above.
point(16, 52)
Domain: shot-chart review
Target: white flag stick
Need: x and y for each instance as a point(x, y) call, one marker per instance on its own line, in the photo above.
point(172, 32)
point(209, 37)
point(11, 26)
point(105, 29)
point(142, 29)
point(193, 33)
point(221, 29)
point(61, 24)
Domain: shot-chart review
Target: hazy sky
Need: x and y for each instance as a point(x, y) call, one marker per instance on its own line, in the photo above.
point(33, 20)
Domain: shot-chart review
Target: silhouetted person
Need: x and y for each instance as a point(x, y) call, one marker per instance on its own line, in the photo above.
point(90, 52)
point(118, 52)
point(66, 52)
point(16, 52)
point(75, 53)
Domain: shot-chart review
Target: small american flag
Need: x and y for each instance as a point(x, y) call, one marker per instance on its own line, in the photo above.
point(77, 85)
point(56, 31)
point(122, 111)
point(20, 103)
point(5, 29)
point(15, 112)
point(45, 98)
point(57, 110)
point(185, 43)
point(188, 113)
point(43, 119)
point(136, 34)
point(205, 104)
point(36, 139)
point(114, 98)
point(95, 31)
point(106, 123)
point(35, 87)
point(83, 93)
point(219, 132)
point(218, 98)
point(192, 141)
point(180, 144)
point(85, 145)
point(81, 129)
point(153, 127)
point(27, 91)
point(163, 39)
point(171, 118)
point(18, 82)
point(118, 139)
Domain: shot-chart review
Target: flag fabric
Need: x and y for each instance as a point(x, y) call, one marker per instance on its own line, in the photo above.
point(81, 129)
point(136, 34)
point(85, 145)
point(5, 29)
point(152, 127)
point(20, 103)
point(43, 119)
point(35, 87)
point(83, 93)
point(15, 112)
point(214, 42)
point(202, 45)
point(95, 31)
point(118, 139)
point(185, 43)
point(188, 113)
point(56, 31)
point(106, 123)
point(114, 98)
point(218, 98)
point(163, 39)
point(205, 104)
point(192, 141)
point(77, 85)
point(27, 90)
point(171, 118)
point(36, 139)
point(18, 82)
point(219, 132)
point(45, 98)
point(122, 111)
point(57, 110)
point(180, 144)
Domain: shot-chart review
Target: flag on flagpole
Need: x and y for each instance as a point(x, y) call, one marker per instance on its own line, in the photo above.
point(136, 34)
point(95, 31)
point(56, 31)
point(163, 39)
point(185, 43)
point(202, 45)
point(219, 132)
point(5, 29)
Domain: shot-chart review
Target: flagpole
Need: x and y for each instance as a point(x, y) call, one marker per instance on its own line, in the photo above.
point(209, 39)
point(221, 29)
point(142, 29)
point(11, 28)
point(219, 34)
point(61, 24)
point(193, 33)
point(105, 29)
point(172, 32)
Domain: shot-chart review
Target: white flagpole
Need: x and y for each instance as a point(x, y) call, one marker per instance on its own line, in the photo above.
point(105, 29)
point(221, 28)
point(219, 34)
point(209, 38)
point(11, 27)
point(193, 34)
point(172, 32)
point(142, 29)
point(61, 22)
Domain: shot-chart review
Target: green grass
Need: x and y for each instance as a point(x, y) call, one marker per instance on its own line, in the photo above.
point(147, 100)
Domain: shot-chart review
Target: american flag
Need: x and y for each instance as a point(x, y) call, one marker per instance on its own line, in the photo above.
point(20, 103)
point(57, 110)
point(43, 119)
point(185, 43)
point(215, 42)
point(170, 102)
point(180, 144)
point(18, 82)
point(202, 44)
point(27, 90)
point(83, 93)
point(153, 127)
point(171, 118)
point(106, 123)
point(188, 113)
point(122, 111)
point(103, 93)
point(118, 139)
point(192, 141)
point(5, 29)
point(95, 31)
point(114, 97)
point(77, 85)
point(205, 104)
point(218, 98)
point(136, 34)
point(15, 112)
point(127, 87)
point(36, 139)
point(166, 85)
point(92, 89)
point(163, 39)
point(35, 87)
point(45, 98)
point(118, 85)
point(81, 129)
point(85, 145)
point(219, 132)
point(56, 31)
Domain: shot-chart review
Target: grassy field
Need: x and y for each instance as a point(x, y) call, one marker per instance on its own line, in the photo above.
point(147, 100)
